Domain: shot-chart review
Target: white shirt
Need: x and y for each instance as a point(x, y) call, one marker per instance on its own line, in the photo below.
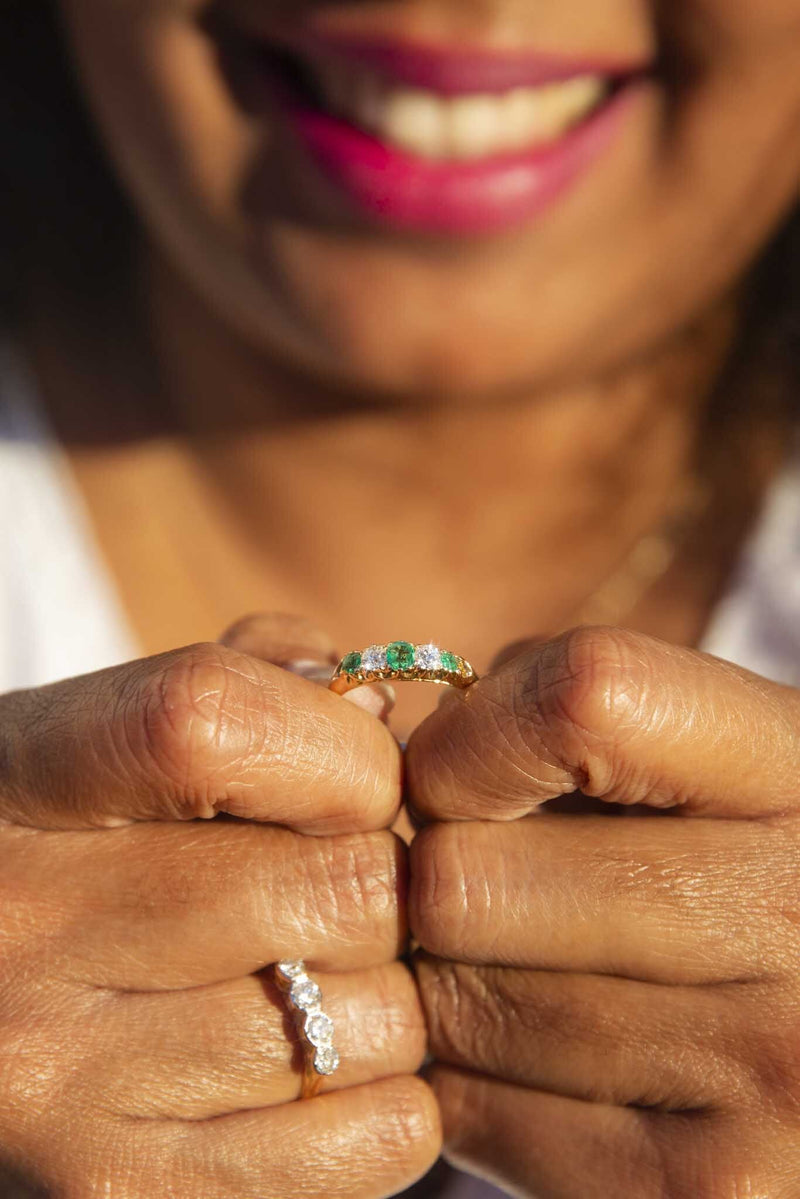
point(59, 614)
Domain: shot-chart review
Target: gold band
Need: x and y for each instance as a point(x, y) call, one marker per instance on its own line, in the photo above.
point(312, 1082)
point(400, 661)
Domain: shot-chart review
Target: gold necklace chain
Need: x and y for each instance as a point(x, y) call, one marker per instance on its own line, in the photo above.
point(647, 562)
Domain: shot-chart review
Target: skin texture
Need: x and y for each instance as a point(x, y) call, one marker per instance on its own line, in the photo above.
point(612, 1002)
point(144, 1048)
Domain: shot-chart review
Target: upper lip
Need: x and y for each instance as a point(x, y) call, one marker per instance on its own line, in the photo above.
point(452, 70)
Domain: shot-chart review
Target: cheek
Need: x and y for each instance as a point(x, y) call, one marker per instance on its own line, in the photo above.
point(754, 17)
point(169, 123)
point(707, 34)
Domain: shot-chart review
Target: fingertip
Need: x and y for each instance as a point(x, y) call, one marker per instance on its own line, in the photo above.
point(312, 669)
point(280, 638)
point(376, 698)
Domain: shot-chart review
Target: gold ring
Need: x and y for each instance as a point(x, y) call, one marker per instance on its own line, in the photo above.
point(315, 1027)
point(400, 661)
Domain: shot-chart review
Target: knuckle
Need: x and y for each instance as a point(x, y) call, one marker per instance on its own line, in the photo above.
point(194, 720)
point(481, 1015)
point(589, 690)
point(551, 720)
point(593, 678)
point(363, 878)
point(440, 889)
point(459, 1009)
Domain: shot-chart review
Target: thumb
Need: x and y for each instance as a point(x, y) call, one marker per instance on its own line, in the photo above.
point(282, 639)
point(300, 646)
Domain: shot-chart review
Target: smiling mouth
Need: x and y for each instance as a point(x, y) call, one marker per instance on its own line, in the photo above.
point(433, 137)
point(436, 127)
point(433, 102)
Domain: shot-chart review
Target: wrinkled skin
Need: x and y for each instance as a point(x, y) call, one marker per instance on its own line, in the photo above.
point(613, 1002)
point(144, 1048)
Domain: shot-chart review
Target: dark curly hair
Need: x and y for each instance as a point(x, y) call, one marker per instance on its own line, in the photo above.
point(51, 152)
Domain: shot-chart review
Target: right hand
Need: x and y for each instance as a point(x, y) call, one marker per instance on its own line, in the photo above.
point(142, 1052)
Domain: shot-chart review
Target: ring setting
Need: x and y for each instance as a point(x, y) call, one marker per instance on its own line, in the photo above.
point(402, 661)
point(316, 1027)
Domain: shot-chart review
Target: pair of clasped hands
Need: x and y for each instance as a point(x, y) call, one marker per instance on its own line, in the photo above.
point(611, 1005)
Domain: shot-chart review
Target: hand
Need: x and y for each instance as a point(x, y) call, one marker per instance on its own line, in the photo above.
point(142, 1052)
point(614, 1003)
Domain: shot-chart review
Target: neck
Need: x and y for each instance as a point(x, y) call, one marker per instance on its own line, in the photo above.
point(472, 525)
point(494, 489)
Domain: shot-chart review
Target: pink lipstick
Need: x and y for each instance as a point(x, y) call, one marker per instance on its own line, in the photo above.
point(455, 198)
point(447, 142)
point(458, 71)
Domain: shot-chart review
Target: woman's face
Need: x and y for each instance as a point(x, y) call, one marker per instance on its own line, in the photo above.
point(454, 197)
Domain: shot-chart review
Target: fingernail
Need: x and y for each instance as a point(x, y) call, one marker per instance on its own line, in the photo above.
point(376, 698)
point(313, 669)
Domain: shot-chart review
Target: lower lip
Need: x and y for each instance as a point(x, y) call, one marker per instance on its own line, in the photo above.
point(454, 198)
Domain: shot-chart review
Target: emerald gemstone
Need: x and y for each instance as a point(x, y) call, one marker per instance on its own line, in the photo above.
point(400, 655)
point(449, 662)
point(352, 663)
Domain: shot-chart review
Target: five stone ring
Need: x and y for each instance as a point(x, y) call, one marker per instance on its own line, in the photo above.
point(400, 661)
point(315, 1027)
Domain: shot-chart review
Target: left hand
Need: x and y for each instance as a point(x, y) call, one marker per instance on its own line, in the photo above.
point(614, 1004)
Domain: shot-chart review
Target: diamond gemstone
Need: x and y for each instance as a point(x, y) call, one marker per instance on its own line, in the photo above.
point(305, 993)
point(400, 655)
point(374, 658)
point(319, 1029)
point(290, 970)
point(326, 1060)
point(428, 657)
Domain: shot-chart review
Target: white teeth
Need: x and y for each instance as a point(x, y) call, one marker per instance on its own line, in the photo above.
point(415, 121)
point(523, 110)
point(475, 126)
point(575, 97)
point(463, 127)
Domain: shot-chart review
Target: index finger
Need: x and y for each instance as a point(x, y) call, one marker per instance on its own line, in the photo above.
point(615, 715)
point(190, 734)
